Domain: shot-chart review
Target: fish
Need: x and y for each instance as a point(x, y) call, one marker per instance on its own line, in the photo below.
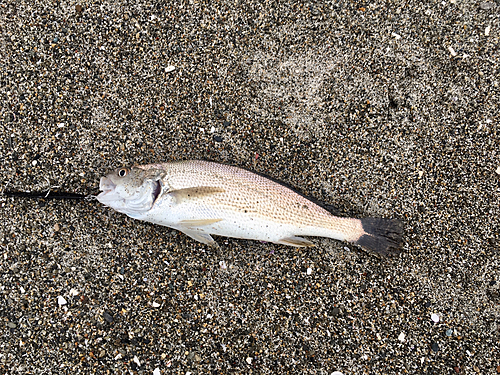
point(204, 198)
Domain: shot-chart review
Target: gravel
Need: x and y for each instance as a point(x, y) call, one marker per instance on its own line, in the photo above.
point(375, 108)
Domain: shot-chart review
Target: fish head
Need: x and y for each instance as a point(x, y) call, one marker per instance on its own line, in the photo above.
point(132, 191)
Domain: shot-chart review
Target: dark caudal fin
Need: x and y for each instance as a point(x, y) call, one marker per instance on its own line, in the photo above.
point(382, 236)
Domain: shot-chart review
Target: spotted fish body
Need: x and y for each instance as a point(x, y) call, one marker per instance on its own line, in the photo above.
point(201, 198)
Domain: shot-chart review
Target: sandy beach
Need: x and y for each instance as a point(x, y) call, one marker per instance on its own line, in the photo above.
point(381, 108)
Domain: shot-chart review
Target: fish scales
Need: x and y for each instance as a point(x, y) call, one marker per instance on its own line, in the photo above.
point(201, 198)
point(247, 191)
point(252, 194)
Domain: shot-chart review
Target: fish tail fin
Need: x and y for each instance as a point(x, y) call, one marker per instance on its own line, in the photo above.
point(381, 236)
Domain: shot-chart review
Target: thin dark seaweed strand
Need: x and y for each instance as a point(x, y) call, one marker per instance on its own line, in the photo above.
point(44, 195)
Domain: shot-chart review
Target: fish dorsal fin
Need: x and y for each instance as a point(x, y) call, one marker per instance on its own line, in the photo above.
point(198, 222)
point(296, 241)
point(194, 192)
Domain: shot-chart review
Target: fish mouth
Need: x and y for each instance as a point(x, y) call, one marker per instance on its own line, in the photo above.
point(106, 186)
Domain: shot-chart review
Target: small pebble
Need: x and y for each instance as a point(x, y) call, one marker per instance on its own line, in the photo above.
point(498, 170)
point(61, 301)
point(435, 347)
point(57, 227)
point(169, 69)
point(487, 5)
point(435, 318)
point(107, 317)
point(156, 304)
point(309, 271)
point(336, 373)
point(449, 332)
point(452, 51)
point(217, 138)
point(487, 31)
point(156, 371)
point(11, 325)
point(136, 360)
point(401, 337)
point(249, 360)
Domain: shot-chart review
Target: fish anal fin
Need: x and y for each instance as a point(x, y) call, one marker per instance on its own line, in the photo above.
point(194, 192)
point(200, 237)
point(296, 241)
point(198, 222)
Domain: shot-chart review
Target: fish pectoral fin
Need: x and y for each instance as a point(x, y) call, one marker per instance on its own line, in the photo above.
point(296, 241)
point(200, 237)
point(194, 192)
point(198, 222)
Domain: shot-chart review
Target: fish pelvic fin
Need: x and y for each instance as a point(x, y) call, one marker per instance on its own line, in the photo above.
point(200, 237)
point(381, 236)
point(296, 241)
point(194, 193)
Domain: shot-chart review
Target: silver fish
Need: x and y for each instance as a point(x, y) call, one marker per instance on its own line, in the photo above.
point(201, 198)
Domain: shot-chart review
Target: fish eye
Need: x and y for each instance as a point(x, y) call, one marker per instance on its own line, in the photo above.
point(123, 172)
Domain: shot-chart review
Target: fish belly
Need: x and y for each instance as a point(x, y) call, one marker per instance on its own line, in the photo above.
point(200, 220)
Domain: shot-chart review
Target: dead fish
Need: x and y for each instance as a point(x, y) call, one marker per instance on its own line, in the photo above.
point(202, 198)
